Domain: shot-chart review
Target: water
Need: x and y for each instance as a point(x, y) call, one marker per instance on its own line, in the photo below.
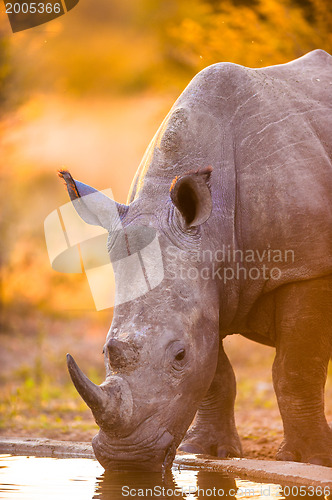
point(34, 478)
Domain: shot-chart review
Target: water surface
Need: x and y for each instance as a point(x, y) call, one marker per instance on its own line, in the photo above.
point(34, 478)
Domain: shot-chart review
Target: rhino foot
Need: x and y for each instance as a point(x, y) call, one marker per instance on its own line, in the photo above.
point(211, 443)
point(220, 451)
point(313, 455)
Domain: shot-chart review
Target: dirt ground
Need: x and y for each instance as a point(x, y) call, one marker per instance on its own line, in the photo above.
point(38, 399)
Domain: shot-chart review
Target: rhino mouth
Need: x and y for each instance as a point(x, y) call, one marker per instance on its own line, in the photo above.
point(126, 455)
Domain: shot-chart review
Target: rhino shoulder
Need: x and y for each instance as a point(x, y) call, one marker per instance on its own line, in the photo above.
point(221, 74)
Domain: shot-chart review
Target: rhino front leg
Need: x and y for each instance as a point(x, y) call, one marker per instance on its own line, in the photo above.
point(304, 334)
point(213, 431)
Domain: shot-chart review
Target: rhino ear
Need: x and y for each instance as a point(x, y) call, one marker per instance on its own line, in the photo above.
point(91, 205)
point(191, 195)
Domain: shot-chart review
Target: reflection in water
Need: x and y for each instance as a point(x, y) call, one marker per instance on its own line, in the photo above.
point(119, 485)
point(32, 478)
point(179, 484)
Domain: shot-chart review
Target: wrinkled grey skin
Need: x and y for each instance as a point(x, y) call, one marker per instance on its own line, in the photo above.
point(265, 132)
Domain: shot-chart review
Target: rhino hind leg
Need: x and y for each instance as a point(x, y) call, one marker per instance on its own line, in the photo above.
point(304, 341)
point(213, 431)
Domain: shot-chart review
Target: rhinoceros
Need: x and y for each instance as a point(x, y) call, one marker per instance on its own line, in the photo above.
point(237, 185)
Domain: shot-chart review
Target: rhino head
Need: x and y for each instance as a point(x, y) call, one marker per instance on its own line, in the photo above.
point(161, 350)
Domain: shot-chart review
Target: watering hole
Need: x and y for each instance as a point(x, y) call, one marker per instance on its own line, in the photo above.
point(34, 478)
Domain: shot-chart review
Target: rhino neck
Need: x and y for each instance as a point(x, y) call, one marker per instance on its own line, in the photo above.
point(181, 144)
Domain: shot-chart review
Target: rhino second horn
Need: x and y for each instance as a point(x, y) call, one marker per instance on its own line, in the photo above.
point(111, 403)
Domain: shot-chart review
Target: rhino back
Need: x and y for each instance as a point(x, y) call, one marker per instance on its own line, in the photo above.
point(265, 132)
point(283, 164)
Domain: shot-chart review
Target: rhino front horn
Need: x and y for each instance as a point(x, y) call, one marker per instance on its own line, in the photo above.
point(111, 402)
point(92, 394)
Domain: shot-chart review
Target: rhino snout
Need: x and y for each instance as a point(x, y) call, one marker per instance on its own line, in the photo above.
point(121, 355)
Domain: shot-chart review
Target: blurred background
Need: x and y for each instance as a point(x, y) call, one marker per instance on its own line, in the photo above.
point(87, 91)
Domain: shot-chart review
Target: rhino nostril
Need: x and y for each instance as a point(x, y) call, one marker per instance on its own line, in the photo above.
point(121, 354)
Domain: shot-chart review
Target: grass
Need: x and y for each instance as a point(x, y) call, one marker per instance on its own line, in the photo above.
point(36, 394)
point(37, 404)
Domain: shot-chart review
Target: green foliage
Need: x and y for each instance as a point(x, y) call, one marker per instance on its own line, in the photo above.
point(268, 32)
point(127, 47)
point(37, 403)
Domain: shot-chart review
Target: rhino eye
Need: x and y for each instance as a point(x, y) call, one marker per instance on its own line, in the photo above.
point(180, 355)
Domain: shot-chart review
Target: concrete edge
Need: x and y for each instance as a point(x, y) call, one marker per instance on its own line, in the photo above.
point(44, 447)
point(265, 471)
